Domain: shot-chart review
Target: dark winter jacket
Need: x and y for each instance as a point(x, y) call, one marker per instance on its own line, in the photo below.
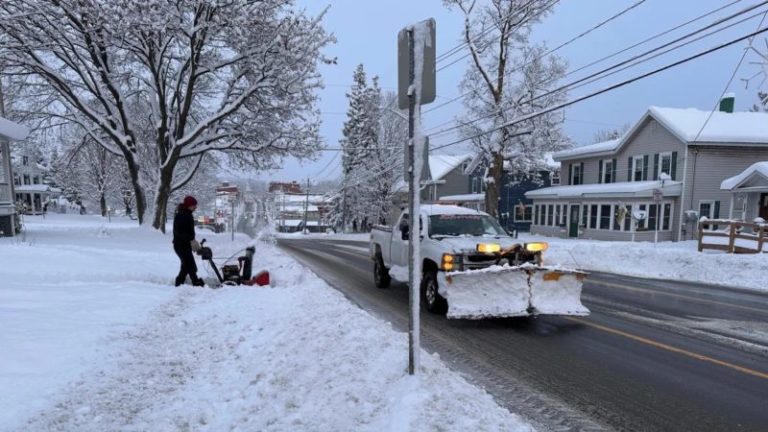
point(183, 228)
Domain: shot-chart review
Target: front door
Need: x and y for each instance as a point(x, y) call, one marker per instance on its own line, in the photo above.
point(573, 221)
point(763, 210)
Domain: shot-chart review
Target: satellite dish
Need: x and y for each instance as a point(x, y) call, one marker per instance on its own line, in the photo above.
point(639, 214)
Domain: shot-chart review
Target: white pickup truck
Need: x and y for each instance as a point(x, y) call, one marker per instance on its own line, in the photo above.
point(471, 268)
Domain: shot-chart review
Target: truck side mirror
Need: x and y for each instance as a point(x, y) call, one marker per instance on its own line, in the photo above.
point(405, 231)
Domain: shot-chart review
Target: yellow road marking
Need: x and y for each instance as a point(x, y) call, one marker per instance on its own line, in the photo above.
point(671, 348)
point(687, 297)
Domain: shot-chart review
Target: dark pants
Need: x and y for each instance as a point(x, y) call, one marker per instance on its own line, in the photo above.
point(188, 265)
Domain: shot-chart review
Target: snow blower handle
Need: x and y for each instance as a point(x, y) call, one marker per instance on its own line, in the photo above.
point(205, 252)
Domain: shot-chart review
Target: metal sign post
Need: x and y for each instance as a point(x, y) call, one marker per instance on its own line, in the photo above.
point(657, 199)
point(413, 96)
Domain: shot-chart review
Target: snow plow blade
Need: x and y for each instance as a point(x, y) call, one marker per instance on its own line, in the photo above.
point(526, 290)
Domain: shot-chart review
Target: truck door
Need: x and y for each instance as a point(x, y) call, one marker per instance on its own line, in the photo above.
point(399, 245)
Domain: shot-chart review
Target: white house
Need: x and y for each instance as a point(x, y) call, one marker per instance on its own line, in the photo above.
point(9, 131)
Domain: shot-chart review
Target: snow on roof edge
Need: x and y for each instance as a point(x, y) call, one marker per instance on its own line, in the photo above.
point(732, 183)
point(12, 130)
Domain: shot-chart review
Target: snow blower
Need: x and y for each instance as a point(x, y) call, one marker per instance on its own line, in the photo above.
point(235, 274)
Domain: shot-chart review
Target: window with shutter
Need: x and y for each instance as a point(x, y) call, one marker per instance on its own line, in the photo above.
point(600, 172)
point(674, 166)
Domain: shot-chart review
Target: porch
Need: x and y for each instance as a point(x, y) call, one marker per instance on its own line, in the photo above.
point(749, 193)
point(625, 211)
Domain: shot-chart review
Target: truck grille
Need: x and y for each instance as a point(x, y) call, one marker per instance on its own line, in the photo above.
point(474, 262)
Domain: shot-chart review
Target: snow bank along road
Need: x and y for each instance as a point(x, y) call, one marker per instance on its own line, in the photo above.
point(654, 355)
point(95, 338)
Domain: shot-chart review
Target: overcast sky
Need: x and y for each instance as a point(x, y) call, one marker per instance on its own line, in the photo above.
point(367, 33)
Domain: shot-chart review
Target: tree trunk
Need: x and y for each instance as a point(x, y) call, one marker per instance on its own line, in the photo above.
point(103, 203)
point(493, 185)
point(163, 195)
point(138, 191)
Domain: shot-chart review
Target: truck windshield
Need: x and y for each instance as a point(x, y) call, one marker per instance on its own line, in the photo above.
point(464, 225)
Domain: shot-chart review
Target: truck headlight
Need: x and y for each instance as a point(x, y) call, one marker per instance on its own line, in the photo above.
point(448, 262)
point(488, 247)
point(536, 246)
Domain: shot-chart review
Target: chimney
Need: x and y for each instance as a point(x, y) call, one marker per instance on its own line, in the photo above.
point(727, 102)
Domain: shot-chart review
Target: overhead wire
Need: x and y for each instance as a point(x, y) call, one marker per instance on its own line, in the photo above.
point(605, 90)
point(595, 62)
point(637, 59)
point(730, 80)
point(553, 50)
point(493, 40)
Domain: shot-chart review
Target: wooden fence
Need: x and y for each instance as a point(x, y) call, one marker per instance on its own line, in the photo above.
point(732, 236)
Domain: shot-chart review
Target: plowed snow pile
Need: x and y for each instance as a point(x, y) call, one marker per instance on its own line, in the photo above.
point(96, 338)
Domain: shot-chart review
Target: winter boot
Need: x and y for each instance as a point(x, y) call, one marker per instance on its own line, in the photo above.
point(180, 280)
point(198, 282)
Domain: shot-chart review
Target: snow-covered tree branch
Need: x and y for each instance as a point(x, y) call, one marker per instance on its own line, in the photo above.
point(159, 82)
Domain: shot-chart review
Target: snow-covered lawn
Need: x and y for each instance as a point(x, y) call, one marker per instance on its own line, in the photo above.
point(96, 338)
point(668, 260)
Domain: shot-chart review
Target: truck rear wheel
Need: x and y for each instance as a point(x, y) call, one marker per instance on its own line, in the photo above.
point(380, 273)
point(436, 303)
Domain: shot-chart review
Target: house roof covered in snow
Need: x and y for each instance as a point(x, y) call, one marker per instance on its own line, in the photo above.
point(599, 148)
point(464, 197)
point(758, 170)
point(441, 165)
point(608, 190)
point(35, 188)
point(691, 126)
point(438, 209)
point(722, 127)
point(12, 131)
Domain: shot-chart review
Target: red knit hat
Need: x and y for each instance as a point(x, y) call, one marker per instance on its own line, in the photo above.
point(189, 201)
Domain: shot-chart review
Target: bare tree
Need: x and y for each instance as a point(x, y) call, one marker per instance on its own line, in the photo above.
point(507, 80)
point(610, 134)
point(185, 78)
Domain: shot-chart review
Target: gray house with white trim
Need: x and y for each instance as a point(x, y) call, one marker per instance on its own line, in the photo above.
point(668, 167)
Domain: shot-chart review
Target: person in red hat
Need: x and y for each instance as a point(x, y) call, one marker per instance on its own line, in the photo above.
point(184, 242)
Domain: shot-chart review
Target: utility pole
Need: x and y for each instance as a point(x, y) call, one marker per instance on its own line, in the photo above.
point(413, 238)
point(416, 86)
point(306, 208)
point(232, 215)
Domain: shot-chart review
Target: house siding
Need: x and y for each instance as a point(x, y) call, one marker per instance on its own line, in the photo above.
point(650, 139)
point(604, 234)
point(455, 184)
point(708, 166)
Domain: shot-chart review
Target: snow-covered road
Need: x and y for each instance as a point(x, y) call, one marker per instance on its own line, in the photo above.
point(97, 339)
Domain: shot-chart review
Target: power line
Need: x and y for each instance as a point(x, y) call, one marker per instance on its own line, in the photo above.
point(700, 17)
point(596, 76)
point(562, 45)
point(326, 166)
point(669, 50)
point(607, 89)
point(543, 10)
point(458, 48)
point(730, 80)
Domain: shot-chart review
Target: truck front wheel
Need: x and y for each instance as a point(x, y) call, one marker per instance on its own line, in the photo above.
point(380, 273)
point(436, 303)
